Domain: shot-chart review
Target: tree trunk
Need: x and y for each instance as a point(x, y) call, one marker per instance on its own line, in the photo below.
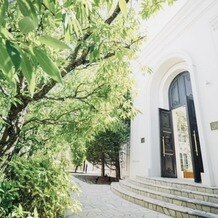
point(84, 165)
point(11, 131)
point(102, 165)
point(117, 165)
point(76, 169)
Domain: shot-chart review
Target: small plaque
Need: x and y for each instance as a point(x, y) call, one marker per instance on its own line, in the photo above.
point(142, 140)
point(214, 125)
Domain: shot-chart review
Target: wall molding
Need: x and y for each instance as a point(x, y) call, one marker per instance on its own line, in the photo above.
point(185, 17)
point(214, 23)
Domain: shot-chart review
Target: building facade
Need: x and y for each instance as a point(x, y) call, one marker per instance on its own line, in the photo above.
point(175, 135)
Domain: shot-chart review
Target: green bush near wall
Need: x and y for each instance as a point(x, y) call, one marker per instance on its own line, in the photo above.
point(37, 187)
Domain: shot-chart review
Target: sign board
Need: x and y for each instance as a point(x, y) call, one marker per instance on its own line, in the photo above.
point(214, 125)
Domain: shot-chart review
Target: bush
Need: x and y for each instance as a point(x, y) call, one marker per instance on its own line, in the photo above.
point(39, 187)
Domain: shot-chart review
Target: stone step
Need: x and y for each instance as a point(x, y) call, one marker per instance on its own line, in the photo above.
point(175, 183)
point(169, 198)
point(213, 198)
point(159, 206)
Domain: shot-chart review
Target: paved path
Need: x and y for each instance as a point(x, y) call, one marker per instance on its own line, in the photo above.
point(99, 202)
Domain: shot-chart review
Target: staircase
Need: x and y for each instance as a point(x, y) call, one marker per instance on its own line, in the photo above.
point(170, 196)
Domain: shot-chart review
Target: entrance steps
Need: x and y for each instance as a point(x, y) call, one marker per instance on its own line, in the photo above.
point(172, 197)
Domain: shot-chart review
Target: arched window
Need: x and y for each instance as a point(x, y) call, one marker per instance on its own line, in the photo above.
point(179, 89)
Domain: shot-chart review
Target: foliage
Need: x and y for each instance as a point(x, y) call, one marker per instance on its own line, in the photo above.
point(64, 72)
point(39, 38)
point(78, 154)
point(39, 180)
point(94, 43)
point(106, 146)
point(73, 114)
point(150, 7)
point(48, 41)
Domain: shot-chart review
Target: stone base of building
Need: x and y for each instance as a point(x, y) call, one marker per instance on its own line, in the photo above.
point(173, 197)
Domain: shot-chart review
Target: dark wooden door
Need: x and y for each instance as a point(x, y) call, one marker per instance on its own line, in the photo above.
point(195, 142)
point(168, 159)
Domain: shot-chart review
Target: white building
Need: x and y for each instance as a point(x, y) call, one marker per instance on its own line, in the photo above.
point(182, 53)
point(176, 133)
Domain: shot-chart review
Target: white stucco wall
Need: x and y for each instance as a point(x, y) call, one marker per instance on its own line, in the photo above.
point(186, 40)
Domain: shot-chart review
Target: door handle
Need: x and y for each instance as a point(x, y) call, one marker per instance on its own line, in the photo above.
point(195, 142)
point(163, 144)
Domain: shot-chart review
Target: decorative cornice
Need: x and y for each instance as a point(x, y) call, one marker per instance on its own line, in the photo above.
point(214, 23)
point(190, 11)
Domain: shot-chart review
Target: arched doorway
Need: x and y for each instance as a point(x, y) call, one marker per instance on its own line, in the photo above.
point(180, 145)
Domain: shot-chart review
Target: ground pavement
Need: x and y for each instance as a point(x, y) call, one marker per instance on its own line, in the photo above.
point(99, 202)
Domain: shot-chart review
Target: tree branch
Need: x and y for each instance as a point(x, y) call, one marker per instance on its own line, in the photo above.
point(4, 92)
point(49, 120)
point(75, 62)
point(75, 95)
point(114, 14)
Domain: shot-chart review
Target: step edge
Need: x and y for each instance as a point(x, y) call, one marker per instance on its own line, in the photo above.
point(181, 198)
point(179, 182)
point(170, 206)
point(173, 188)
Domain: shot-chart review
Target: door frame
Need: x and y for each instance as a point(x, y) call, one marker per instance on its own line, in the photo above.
point(196, 171)
point(165, 68)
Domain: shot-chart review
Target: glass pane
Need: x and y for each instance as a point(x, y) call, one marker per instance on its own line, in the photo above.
point(182, 143)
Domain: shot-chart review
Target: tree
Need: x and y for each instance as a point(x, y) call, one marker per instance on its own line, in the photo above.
point(83, 33)
point(63, 73)
point(28, 52)
point(106, 147)
point(78, 155)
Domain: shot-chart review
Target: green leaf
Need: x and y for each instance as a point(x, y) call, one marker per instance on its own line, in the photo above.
point(20, 210)
point(67, 34)
point(26, 25)
point(47, 64)
point(23, 6)
point(6, 34)
point(28, 10)
point(97, 2)
point(3, 10)
point(170, 2)
point(27, 70)
point(77, 27)
point(52, 42)
point(65, 18)
point(33, 13)
point(123, 7)
point(5, 61)
point(26, 67)
point(50, 5)
point(36, 215)
point(14, 54)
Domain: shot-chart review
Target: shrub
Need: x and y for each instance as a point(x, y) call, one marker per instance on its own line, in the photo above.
point(39, 187)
